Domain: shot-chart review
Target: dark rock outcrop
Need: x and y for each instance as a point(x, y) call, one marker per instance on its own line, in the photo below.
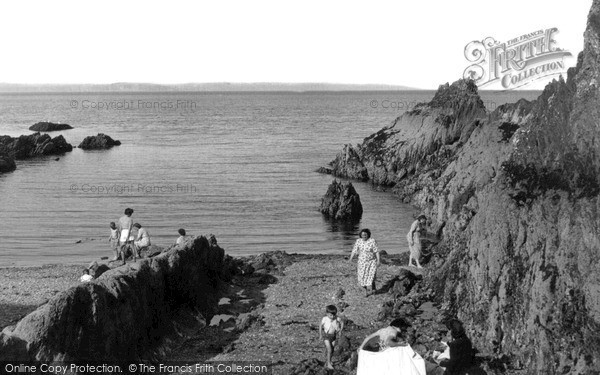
point(126, 314)
point(421, 140)
point(518, 190)
point(46, 126)
point(27, 146)
point(7, 163)
point(341, 202)
point(98, 142)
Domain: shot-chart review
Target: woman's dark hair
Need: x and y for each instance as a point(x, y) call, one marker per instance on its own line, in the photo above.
point(456, 328)
point(422, 217)
point(331, 309)
point(181, 231)
point(128, 211)
point(368, 232)
point(400, 323)
point(137, 225)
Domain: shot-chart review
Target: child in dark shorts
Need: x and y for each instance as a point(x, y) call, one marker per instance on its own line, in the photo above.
point(331, 326)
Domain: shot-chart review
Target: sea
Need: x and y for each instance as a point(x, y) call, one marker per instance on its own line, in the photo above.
point(239, 165)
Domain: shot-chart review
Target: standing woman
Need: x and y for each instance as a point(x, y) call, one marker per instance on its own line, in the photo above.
point(368, 260)
point(417, 230)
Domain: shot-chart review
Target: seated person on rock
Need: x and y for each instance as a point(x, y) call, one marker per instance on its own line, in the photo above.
point(461, 349)
point(181, 239)
point(388, 337)
point(143, 239)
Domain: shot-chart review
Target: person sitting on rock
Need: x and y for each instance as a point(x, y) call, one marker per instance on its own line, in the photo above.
point(86, 277)
point(142, 241)
point(181, 239)
point(388, 337)
point(461, 349)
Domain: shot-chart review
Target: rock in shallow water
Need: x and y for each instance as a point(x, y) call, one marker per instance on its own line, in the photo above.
point(98, 142)
point(341, 202)
point(46, 126)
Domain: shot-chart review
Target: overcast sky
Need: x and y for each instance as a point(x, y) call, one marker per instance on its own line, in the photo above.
point(413, 43)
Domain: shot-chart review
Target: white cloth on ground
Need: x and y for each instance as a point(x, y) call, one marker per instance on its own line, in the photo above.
point(398, 360)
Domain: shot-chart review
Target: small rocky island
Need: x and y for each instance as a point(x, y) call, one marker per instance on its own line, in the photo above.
point(29, 146)
point(46, 126)
point(98, 142)
point(341, 202)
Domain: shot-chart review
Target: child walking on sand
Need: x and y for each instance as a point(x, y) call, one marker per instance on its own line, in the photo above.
point(331, 326)
point(113, 239)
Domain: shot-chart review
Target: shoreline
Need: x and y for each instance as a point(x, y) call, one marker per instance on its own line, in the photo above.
point(273, 312)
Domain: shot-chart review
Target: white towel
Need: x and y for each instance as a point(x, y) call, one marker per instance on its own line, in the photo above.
point(399, 360)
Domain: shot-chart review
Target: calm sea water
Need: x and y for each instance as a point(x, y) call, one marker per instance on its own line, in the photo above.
point(238, 165)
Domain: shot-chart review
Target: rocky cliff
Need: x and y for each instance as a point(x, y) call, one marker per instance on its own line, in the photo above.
point(518, 191)
point(127, 314)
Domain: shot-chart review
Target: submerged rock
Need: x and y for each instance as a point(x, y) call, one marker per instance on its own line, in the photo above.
point(341, 202)
point(46, 126)
point(98, 142)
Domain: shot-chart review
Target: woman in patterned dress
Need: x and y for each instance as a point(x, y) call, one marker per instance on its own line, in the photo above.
point(368, 260)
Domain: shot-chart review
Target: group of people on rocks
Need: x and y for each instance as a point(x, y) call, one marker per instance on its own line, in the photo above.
point(122, 240)
point(458, 352)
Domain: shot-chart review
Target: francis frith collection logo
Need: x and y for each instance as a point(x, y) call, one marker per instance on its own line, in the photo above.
point(517, 62)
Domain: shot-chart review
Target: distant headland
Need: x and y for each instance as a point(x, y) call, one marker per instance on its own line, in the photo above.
point(196, 87)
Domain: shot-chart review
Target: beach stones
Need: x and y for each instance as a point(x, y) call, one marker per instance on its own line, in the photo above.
point(341, 202)
point(46, 126)
point(98, 142)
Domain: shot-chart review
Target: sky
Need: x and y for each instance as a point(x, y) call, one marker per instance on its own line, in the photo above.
point(412, 43)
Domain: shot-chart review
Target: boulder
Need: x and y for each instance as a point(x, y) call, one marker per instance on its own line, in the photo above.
point(126, 315)
point(46, 126)
point(341, 202)
point(98, 142)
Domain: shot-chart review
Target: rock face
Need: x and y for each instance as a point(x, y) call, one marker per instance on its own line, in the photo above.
point(341, 202)
point(98, 142)
point(518, 191)
point(46, 126)
point(27, 146)
point(423, 139)
point(125, 314)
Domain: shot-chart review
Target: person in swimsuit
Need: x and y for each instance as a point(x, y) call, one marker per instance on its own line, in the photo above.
point(125, 225)
point(417, 230)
